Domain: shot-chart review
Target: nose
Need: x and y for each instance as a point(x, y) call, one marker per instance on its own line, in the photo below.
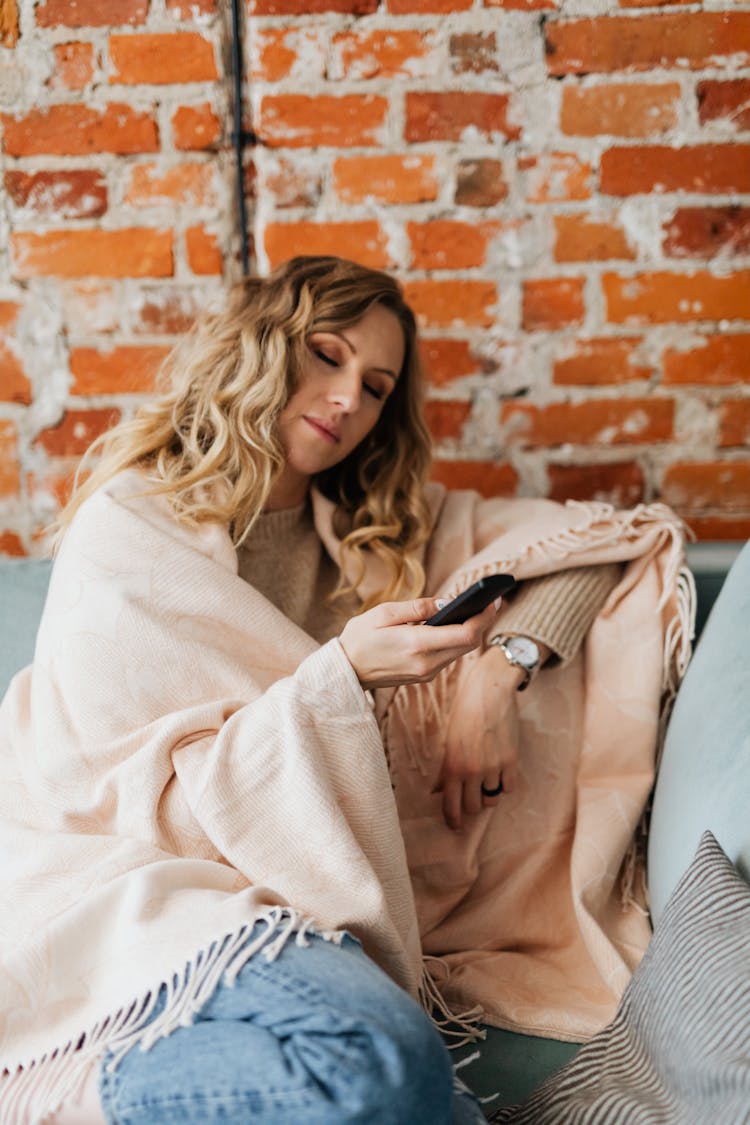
point(345, 391)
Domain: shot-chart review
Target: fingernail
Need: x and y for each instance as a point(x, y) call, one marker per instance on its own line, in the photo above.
point(498, 603)
point(440, 602)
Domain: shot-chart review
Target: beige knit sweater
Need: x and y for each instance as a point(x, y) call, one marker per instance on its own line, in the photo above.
point(285, 560)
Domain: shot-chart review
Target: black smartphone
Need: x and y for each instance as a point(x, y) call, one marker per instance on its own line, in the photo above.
point(473, 600)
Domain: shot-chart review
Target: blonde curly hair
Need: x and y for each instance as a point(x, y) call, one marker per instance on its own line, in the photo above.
point(209, 439)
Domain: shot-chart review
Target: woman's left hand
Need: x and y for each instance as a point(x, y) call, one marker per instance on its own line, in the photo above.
point(481, 746)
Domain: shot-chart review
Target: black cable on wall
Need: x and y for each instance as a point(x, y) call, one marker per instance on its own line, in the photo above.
point(238, 134)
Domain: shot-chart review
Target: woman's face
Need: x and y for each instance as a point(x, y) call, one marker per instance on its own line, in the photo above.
point(346, 378)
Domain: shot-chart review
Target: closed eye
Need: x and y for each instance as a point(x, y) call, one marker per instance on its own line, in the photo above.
point(325, 357)
point(375, 392)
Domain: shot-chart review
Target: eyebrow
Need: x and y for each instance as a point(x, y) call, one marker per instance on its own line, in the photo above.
point(350, 345)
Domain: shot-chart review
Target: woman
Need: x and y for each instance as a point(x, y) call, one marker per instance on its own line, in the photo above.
point(212, 854)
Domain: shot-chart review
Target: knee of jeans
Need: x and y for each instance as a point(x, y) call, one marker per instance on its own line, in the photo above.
point(413, 1068)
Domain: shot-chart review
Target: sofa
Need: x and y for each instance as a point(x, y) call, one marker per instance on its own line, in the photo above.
point(704, 780)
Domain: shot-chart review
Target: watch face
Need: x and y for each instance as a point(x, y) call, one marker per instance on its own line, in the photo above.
point(524, 649)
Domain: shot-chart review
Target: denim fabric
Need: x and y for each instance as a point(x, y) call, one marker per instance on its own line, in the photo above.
point(319, 1036)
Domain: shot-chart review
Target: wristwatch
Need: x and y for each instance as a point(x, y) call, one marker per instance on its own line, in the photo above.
point(522, 653)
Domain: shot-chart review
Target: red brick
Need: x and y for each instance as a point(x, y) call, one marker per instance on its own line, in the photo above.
point(725, 101)
point(680, 39)
point(186, 184)
point(14, 384)
point(446, 419)
point(555, 177)
point(130, 252)
point(425, 7)
point(620, 483)
point(72, 194)
point(196, 127)
point(74, 66)
point(166, 310)
point(582, 238)
point(522, 5)
point(281, 52)
point(11, 545)
point(489, 478)
point(480, 183)
point(90, 13)
point(660, 168)
point(662, 297)
point(445, 360)
point(389, 53)
point(448, 244)
point(10, 470)
point(621, 109)
point(697, 485)
point(304, 121)
point(75, 432)
point(77, 130)
point(720, 528)
point(290, 183)
point(120, 370)
point(203, 251)
point(718, 361)
point(161, 59)
point(702, 232)
point(594, 422)
point(599, 362)
point(365, 242)
point(388, 178)
point(446, 115)
point(551, 303)
point(311, 7)
point(734, 422)
point(456, 302)
point(473, 53)
point(188, 9)
point(8, 23)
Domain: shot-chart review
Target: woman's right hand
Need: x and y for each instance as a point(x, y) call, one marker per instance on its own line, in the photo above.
point(390, 644)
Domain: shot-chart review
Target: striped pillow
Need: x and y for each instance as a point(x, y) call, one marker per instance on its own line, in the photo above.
point(678, 1050)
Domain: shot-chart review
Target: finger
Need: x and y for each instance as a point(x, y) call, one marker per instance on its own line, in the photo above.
point(491, 782)
point(472, 795)
point(413, 611)
point(510, 778)
point(452, 802)
point(455, 638)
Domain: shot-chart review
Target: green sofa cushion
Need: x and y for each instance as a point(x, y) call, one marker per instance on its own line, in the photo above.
point(23, 589)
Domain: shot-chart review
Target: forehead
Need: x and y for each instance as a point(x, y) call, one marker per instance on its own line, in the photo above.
point(378, 338)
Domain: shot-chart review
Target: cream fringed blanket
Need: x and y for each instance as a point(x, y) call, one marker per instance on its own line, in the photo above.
point(181, 760)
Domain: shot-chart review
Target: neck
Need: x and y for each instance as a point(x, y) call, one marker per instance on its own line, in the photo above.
point(288, 490)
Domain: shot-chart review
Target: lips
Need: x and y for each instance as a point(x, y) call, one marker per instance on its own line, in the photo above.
point(326, 430)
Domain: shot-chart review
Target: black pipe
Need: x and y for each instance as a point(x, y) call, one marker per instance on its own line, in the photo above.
point(238, 135)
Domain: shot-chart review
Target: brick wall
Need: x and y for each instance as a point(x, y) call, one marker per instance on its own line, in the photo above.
point(563, 187)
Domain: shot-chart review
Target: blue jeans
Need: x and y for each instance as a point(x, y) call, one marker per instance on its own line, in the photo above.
point(319, 1036)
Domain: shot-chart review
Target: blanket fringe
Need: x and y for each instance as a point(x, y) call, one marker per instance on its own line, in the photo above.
point(40, 1088)
point(461, 1027)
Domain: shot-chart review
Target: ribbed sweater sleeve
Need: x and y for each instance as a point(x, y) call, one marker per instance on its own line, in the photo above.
point(559, 609)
